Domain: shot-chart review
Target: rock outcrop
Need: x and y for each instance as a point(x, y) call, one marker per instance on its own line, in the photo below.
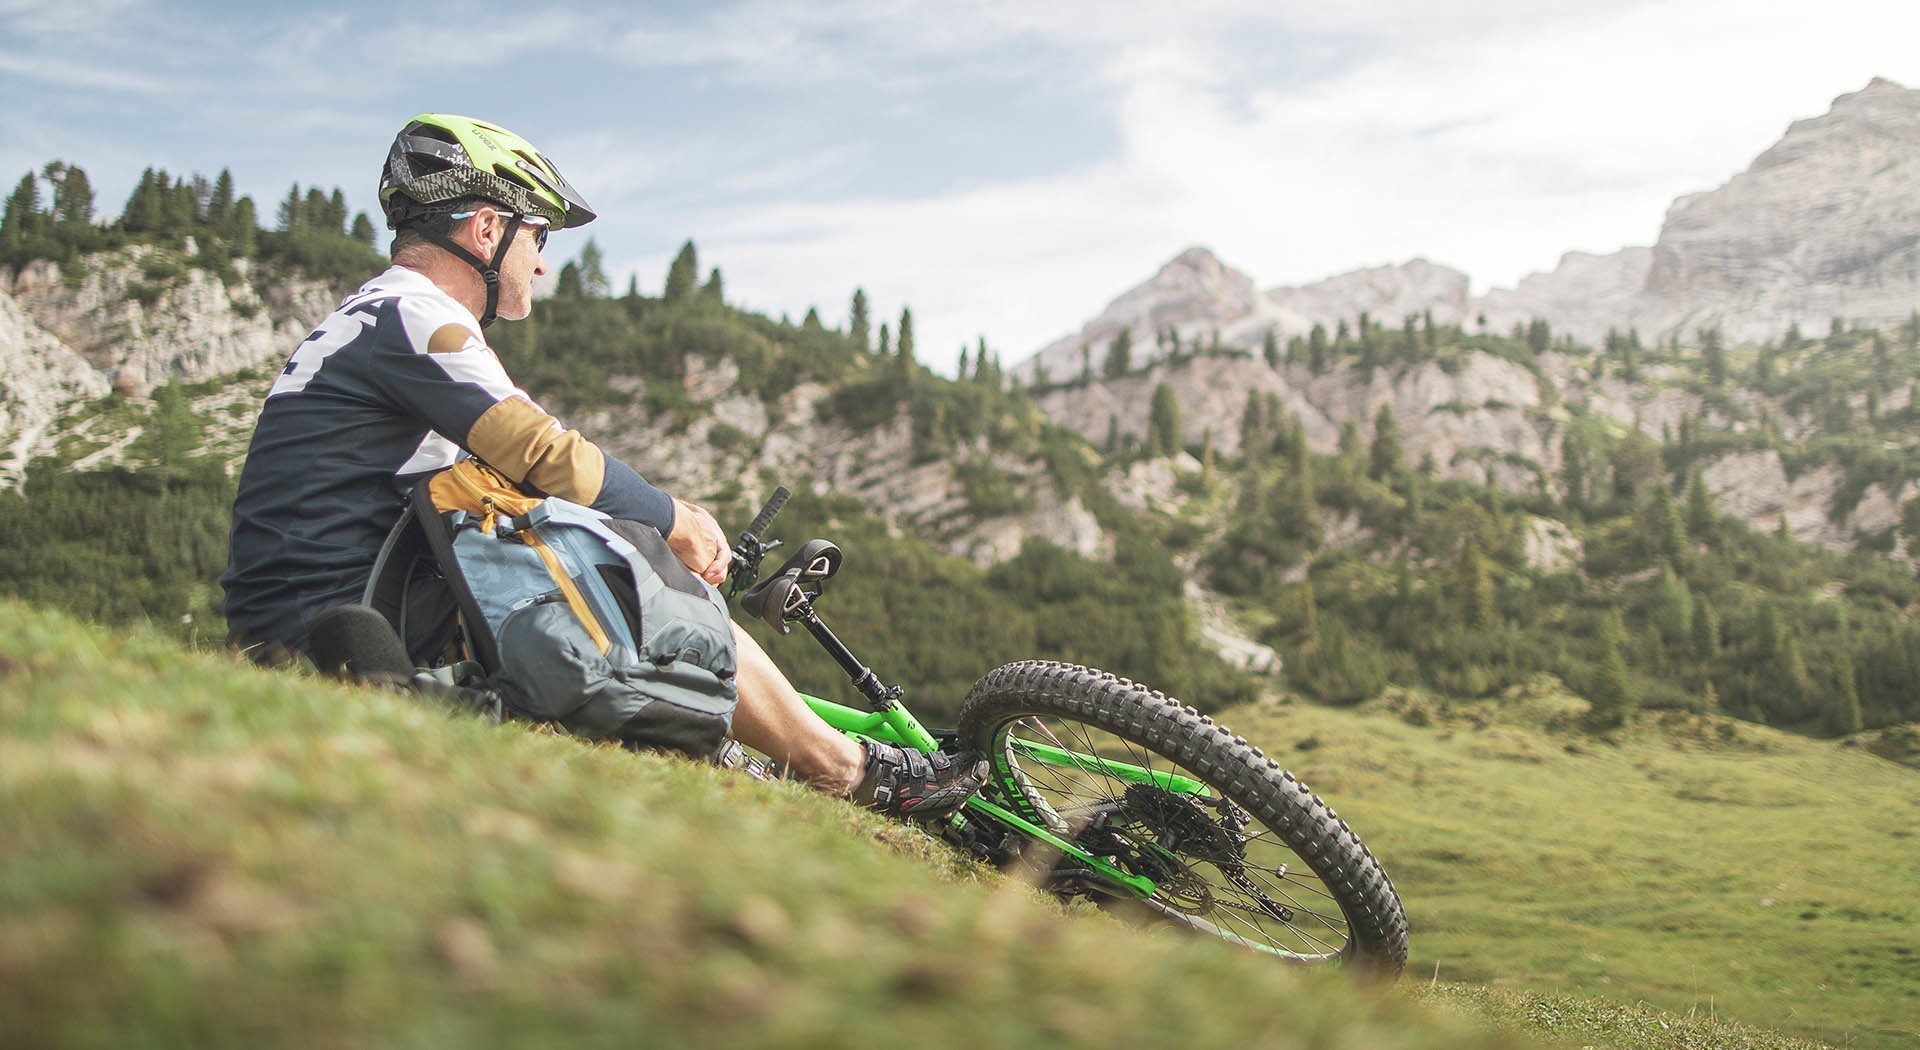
point(1824, 224)
point(38, 376)
point(1202, 299)
point(1482, 417)
point(1387, 293)
point(142, 317)
point(1194, 294)
point(128, 321)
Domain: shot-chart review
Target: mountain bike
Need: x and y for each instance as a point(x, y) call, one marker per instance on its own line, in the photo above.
point(1104, 789)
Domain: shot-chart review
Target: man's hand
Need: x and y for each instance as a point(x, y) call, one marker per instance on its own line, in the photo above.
point(698, 542)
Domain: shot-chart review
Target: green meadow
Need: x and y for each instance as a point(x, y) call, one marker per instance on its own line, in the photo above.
point(1696, 864)
point(198, 853)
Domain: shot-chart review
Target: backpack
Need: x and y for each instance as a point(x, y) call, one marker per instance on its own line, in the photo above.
point(575, 618)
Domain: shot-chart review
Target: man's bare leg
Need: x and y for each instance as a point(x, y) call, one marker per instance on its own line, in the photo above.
point(773, 720)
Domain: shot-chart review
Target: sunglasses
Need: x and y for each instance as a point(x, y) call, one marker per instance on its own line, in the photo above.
point(540, 227)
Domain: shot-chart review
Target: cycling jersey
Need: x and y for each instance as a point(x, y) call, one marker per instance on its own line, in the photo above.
point(395, 384)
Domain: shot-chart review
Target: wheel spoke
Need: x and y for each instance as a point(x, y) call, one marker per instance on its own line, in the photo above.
point(1237, 913)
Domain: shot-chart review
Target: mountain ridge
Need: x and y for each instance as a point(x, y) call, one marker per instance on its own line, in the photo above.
point(1824, 223)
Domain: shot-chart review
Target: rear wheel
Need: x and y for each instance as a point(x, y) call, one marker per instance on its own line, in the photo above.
point(1255, 858)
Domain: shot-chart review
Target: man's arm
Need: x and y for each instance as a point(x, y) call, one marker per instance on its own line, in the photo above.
point(460, 389)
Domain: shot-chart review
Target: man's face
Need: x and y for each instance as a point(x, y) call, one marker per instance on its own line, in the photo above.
point(517, 271)
point(522, 264)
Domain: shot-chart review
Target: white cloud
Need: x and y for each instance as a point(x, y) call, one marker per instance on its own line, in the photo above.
point(1295, 137)
point(1489, 143)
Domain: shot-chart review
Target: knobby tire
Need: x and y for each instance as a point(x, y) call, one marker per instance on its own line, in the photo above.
point(1324, 900)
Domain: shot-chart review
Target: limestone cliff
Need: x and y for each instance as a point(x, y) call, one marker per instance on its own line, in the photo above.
point(127, 321)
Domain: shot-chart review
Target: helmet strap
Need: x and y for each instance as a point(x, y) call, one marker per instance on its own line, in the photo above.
point(489, 271)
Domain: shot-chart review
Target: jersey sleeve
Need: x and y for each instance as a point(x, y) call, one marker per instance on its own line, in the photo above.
point(442, 372)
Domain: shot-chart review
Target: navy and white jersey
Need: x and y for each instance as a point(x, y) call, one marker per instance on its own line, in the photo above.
point(395, 384)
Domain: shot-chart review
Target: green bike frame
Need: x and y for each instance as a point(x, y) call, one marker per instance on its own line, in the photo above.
point(896, 725)
point(889, 721)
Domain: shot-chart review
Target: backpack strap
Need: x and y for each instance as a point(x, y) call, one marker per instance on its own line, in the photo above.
point(436, 532)
point(386, 591)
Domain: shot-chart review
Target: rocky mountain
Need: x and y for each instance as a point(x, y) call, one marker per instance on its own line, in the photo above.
point(127, 321)
point(1485, 418)
point(1824, 224)
point(1263, 507)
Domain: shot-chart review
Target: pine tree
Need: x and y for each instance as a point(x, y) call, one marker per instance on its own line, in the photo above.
point(363, 230)
point(336, 212)
point(21, 221)
point(1385, 459)
point(1120, 354)
point(181, 206)
point(220, 203)
point(886, 341)
point(713, 293)
point(1611, 698)
point(1664, 526)
point(317, 211)
point(682, 275)
point(858, 326)
point(292, 214)
point(1573, 472)
point(1673, 611)
point(593, 271)
point(569, 285)
point(1317, 348)
point(1163, 422)
point(1270, 348)
point(1844, 719)
point(1539, 336)
point(1253, 423)
point(1473, 587)
point(72, 201)
point(143, 212)
point(1351, 449)
point(1700, 512)
point(1706, 630)
point(906, 337)
point(1713, 356)
point(245, 226)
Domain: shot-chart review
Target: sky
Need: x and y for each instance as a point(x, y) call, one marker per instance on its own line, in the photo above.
point(1004, 169)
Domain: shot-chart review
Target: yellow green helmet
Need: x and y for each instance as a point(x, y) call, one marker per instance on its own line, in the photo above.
point(439, 158)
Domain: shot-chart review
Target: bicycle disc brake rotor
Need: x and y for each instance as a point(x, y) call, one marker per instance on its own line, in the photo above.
point(1181, 824)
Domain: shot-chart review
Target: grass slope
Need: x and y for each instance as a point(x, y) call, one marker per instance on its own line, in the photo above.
point(1702, 866)
point(196, 853)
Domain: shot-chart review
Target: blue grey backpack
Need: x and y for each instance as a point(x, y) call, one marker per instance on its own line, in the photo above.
point(575, 618)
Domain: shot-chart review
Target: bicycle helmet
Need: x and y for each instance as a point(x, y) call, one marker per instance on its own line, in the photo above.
point(439, 160)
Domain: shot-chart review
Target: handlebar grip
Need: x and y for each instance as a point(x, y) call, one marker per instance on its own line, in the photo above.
point(765, 517)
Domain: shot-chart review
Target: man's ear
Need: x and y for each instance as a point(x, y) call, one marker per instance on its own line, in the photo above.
point(486, 228)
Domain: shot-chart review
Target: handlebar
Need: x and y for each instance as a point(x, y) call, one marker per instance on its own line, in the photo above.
point(765, 517)
point(749, 549)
